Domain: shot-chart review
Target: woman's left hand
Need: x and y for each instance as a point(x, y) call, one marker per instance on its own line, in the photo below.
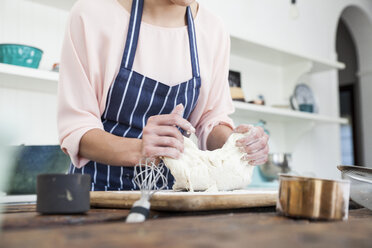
point(255, 145)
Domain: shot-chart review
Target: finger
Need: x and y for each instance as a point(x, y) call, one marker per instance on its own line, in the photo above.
point(167, 142)
point(243, 142)
point(155, 152)
point(168, 131)
point(259, 161)
point(244, 128)
point(173, 120)
point(257, 155)
point(255, 136)
point(257, 146)
point(146, 160)
point(178, 110)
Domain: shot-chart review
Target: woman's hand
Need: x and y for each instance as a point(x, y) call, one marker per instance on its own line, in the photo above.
point(255, 145)
point(161, 136)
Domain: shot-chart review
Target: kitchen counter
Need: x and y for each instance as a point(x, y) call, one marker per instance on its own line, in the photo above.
point(255, 227)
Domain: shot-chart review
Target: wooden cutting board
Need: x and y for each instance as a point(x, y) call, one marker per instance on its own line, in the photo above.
point(188, 201)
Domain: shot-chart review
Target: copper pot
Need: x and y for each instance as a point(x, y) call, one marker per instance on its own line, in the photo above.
point(313, 198)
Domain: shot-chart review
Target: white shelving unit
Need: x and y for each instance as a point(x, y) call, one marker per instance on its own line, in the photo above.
point(269, 54)
point(13, 70)
point(287, 126)
point(18, 77)
point(256, 112)
point(274, 72)
point(293, 65)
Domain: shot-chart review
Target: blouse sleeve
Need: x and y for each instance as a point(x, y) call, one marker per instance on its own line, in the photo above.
point(78, 107)
point(219, 103)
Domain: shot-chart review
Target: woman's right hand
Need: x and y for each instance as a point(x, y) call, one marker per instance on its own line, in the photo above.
point(161, 136)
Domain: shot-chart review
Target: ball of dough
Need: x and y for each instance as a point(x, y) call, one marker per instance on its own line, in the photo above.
point(218, 170)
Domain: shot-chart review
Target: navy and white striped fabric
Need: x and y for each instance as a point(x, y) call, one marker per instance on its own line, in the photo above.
point(133, 98)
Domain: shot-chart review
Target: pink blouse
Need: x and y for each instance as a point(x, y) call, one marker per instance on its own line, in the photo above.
point(91, 55)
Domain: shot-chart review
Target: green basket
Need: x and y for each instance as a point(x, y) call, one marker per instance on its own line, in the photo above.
point(21, 55)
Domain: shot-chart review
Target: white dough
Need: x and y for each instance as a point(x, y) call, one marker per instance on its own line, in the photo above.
point(221, 169)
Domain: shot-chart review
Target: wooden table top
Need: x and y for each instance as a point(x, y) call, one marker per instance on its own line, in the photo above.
point(257, 227)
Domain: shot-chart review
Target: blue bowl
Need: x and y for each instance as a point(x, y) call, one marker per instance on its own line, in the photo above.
point(21, 55)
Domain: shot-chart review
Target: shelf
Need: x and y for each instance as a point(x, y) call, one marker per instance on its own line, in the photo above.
point(279, 57)
point(258, 112)
point(39, 80)
point(12, 76)
point(28, 72)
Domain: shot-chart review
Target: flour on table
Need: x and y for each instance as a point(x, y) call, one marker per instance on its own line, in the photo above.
point(221, 169)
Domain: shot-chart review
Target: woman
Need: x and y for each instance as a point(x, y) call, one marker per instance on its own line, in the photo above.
point(120, 96)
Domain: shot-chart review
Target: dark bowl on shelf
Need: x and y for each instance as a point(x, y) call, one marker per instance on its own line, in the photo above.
point(31, 161)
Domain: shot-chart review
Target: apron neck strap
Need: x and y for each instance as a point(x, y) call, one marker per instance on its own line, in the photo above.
point(133, 33)
point(192, 41)
point(134, 30)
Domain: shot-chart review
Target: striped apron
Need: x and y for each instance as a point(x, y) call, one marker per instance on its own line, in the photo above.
point(133, 98)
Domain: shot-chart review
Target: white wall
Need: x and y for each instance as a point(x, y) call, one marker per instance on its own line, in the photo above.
point(268, 21)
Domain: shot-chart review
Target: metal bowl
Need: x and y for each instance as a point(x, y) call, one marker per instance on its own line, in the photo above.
point(361, 184)
point(276, 163)
point(313, 198)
